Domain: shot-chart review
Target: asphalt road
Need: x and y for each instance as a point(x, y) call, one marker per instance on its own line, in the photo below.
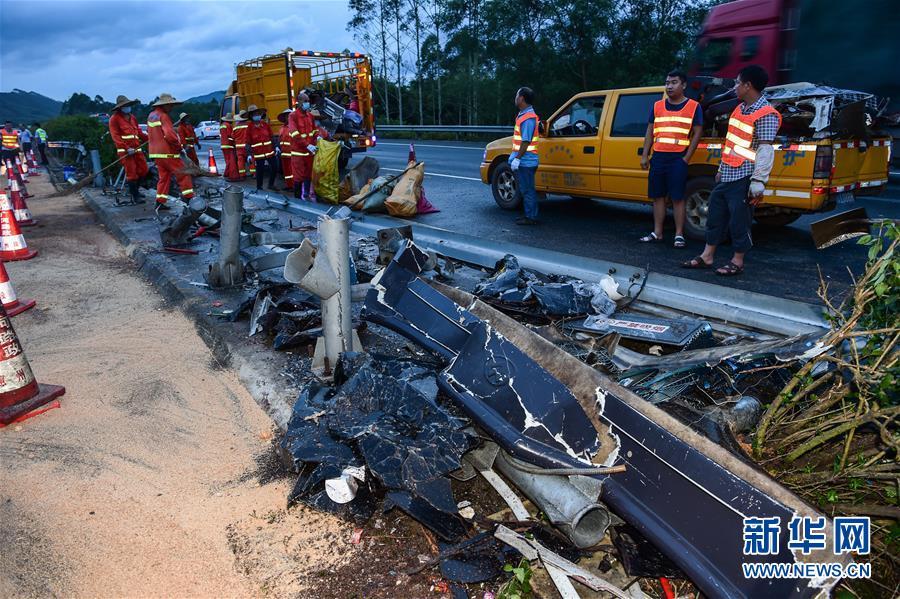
point(784, 262)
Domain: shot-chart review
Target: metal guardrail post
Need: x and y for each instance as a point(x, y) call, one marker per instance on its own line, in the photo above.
point(99, 179)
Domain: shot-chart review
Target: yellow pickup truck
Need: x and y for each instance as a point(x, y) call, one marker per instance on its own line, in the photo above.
point(591, 148)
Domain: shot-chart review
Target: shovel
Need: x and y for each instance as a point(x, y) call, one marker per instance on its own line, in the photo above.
point(843, 226)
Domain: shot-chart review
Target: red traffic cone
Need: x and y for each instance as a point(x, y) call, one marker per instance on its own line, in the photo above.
point(23, 167)
point(32, 163)
point(12, 304)
point(20, 208)
point(212, 163)
point(20, 393)
point(13, 172)
point(12, 242)
point(412, 154)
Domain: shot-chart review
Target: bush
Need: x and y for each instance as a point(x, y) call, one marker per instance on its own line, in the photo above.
point(85, 130)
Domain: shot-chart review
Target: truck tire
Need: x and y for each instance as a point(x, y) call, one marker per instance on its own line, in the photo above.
point(696, 194)
point(776, 220)
point(505, 188)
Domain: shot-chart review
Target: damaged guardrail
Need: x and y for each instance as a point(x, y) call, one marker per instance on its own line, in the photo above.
point(549, 410)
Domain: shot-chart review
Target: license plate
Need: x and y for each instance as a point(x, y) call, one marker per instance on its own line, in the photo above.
point(844, 197)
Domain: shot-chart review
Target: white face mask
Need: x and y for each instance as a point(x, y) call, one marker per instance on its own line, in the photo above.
point(127, 109)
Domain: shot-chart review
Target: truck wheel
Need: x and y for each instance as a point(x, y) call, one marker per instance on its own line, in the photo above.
point(505, 187)
point(697, 197)
point(776, 220)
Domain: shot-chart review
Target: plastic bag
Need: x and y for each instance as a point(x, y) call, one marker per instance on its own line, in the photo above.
point(325, 170)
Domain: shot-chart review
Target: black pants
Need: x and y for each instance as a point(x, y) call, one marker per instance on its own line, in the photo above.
point(9, 155)
point(270, 166)
point(729, 213)
point(42, 148)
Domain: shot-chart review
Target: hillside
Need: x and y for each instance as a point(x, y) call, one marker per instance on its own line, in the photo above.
point(212, 96)
point(27, 107)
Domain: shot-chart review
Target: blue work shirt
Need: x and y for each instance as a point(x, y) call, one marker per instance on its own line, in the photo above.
point(527, 130)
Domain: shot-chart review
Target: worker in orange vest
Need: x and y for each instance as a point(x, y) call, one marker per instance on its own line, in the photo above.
point(128, 138)
point(304, 136)
point(9, 137)
point(674, 130)
point(747, 159)
point(259, 137)
point(239, 133)
point(284, 147)
point(188, 136)
point(227, 137)
point(165, 151)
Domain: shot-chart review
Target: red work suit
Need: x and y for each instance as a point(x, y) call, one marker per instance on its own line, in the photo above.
point(260, 138)
point(188, 141)
point(303, 133)
point(284, 142)
point(126, 134)
point(165, 151)
point(239, 134)
point(231, 165)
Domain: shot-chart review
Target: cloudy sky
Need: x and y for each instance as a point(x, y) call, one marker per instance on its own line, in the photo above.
point(143, 48)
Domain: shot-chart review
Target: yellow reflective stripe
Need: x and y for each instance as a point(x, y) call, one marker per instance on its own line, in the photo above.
point(744, 152)
point(129, 137)
point(738, 141)
point(227, 147)
point(295, 133)
point(162, 195)
point(154, 124)
point(164, 155)
point(740, 125)
point(257, 144)
point(671, 130)
point(189, 190)
point(239, 127)
point(300, 154)
point(677, 119)
point(121, 150)
point(669, 140)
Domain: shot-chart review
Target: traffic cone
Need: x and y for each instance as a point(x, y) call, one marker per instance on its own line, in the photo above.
point(20, 208)
point(13, 173)
point(411, 157)
point(11, 303)
point(23, 167)
point(12, 242)
point(32, 163)
point(20, 393)
point(212, 163)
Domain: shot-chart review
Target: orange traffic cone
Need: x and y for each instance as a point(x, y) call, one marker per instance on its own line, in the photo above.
point(20, 393)
point(212, 163)
point(23, 167)
point(13, 172)
point(20, 208)
point(12, 242)
point(12, 304)
point(32, 163)
point(411, 157)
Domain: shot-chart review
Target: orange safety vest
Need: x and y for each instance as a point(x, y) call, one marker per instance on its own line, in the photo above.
point(672, 128)
point(739, 138)
point(10, 139)
point(517, 133)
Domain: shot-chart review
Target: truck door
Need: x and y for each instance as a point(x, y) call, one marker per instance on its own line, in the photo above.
point(570, 152)
point(621, 175)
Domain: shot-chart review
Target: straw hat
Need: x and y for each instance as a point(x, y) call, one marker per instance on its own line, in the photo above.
point(166, 99)
point(252, 108)
point(241, 116)
point(181, 117)
point(228, 118)
point(285, 112)
point(123, 101)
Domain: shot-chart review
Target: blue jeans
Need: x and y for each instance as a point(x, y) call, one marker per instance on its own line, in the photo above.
point(525, 177)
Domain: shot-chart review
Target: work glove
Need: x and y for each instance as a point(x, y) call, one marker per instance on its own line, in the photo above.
point(514, 164)
point(130, 151)
point(756, 192)
point(312, 148)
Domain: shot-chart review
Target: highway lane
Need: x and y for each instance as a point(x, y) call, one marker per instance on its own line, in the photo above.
point(784, 261)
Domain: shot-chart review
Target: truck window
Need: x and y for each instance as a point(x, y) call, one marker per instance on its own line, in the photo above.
point(580, 119)
point(714, 54)
point(632, 114)
point(750, 47)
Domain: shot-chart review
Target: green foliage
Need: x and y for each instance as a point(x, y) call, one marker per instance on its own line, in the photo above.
point(86, 130)
point(519, 586)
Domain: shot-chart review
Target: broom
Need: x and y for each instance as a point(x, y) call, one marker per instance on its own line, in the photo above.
point(87, 180)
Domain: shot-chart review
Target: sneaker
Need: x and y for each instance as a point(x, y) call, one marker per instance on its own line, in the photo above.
point(524, 220)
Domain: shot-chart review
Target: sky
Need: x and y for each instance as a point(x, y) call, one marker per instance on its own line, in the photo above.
point(143, 48)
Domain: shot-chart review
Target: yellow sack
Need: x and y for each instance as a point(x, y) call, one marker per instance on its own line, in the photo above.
point(405, 197)
point(325, 170)
point(354, 201)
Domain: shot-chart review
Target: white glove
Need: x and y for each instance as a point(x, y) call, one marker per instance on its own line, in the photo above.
point(312, 148)
point(514, 164)
point(756, 189)
point(130, 151)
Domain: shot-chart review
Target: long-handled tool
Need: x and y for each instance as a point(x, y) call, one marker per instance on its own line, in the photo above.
point(88, 179)
point(843, 226)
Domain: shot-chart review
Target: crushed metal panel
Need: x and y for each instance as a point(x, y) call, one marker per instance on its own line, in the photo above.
point(684, 493)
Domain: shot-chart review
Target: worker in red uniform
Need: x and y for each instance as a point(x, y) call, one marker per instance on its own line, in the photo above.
point(285, 148)
point(165, 151)
point(187, 136)
point(304, 135)
point(227, 137)
point(128, 138)
point(259, 137)
point(241, 148)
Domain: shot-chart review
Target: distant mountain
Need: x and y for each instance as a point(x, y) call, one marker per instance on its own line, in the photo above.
point(27, 107)
point(212, 96)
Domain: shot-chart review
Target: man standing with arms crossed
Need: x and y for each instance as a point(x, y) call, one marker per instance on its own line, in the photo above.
point(524, 157)
point(674, 130)
point(747, 158)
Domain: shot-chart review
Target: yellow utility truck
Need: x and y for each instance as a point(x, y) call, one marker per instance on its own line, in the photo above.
point(340, 82)
point(591, 148)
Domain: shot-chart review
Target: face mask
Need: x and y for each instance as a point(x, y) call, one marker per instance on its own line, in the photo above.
point(306, 106)
point(257, 118)
point(127, 110)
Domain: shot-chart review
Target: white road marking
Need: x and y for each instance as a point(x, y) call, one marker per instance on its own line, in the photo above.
point(895, 173)
point(387, 143)
point(400, 170)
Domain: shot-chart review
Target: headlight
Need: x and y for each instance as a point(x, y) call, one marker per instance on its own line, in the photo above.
point(484, 156)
